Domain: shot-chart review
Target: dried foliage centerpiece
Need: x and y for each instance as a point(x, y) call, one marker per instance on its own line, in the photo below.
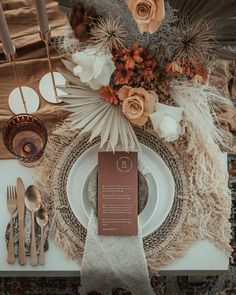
point(125, 67)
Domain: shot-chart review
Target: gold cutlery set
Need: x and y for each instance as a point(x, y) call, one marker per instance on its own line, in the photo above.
point(17, 199)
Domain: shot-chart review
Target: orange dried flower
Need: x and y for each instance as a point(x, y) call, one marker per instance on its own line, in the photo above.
point(117, 54)
point(82, 20)
point(201, 71)
point(148, 73)
point(109, 94)
point(174, 68)
point(149, 68)
point(132, 56)
point(122, 75)
point(188, 70)
point(149, 64)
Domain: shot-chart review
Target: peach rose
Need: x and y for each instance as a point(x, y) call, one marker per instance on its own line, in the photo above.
point(148, 14)
point(137, 104)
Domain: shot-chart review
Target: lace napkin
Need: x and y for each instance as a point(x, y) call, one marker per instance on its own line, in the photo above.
point(111, 262)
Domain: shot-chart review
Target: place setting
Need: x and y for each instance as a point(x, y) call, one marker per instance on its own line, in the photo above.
point(28, 229)
point(135, 174)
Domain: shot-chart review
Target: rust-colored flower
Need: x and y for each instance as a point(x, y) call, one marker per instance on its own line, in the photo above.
point(201, 71)
point(122, 75)
point(186, 69)
point(117, 54)
point(132, 55)
point(82, 20)
point(149, 64)
point(109, 94)
point(137, 104)
point(148, 73)
point(174, 68)
point(148, 14)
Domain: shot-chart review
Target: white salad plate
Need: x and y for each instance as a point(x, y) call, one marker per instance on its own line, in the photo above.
point(159, 180)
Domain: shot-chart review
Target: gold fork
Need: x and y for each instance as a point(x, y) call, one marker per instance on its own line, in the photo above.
point(11, 206)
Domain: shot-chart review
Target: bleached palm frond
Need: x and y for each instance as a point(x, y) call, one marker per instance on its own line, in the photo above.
point(92, 114)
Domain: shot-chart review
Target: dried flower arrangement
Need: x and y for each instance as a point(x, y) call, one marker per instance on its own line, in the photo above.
point(133, 60)
point(136, 65)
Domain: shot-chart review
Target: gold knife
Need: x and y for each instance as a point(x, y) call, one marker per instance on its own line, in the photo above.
point(20, 189)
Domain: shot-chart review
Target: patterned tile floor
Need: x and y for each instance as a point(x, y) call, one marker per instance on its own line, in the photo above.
point(232, 186)
point(222, 285)
point(39, 286)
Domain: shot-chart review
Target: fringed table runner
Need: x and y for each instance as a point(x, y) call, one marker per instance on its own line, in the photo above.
point(198, 211)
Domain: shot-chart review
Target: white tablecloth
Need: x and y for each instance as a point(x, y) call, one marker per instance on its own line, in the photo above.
point(202, 258)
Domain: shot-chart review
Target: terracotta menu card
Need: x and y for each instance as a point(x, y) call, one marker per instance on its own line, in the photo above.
point(117, 193)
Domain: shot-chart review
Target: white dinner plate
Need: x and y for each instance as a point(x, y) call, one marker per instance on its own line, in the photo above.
point(160, 185)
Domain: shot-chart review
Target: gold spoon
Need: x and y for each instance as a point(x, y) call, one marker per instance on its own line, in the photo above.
point(32, 202)
point(42, 220)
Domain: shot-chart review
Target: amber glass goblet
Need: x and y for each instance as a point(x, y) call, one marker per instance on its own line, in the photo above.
point(25, 136)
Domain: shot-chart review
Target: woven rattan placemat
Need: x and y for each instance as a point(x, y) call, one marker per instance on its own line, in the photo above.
point(68, 232)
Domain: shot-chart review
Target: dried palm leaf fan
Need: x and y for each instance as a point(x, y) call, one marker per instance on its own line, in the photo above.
point(205, 29)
